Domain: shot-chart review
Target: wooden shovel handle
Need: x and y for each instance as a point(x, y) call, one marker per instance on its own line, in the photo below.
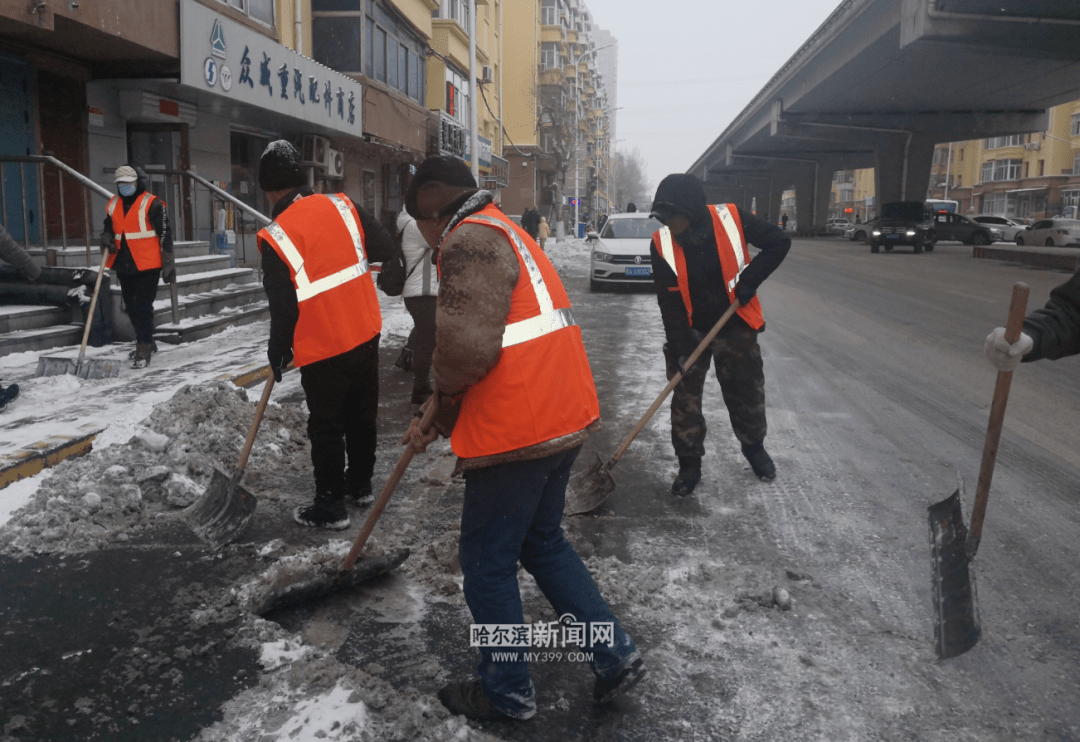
point(1017, 310)
point(672, 384)
point(388, 488)
point(93, 305)
point(259, 410)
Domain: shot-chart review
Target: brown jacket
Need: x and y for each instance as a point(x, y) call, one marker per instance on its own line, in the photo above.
point(478, 270)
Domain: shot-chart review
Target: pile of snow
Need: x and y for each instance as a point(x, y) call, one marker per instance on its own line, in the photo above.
point(111, 494)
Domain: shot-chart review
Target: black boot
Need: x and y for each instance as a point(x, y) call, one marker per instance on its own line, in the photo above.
point(153, 349)
point(760, 461)
point(8, 395)
point(358, 489)
point(328, 511)
point(688, 477)
point(466, 698)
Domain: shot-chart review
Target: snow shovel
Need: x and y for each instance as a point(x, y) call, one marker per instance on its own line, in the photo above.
point(952, 546)
point(225, 509)
point(98, 368)
point(588, 489)
point(294, 588)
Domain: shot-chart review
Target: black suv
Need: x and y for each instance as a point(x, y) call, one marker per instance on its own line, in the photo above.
point(904, 223)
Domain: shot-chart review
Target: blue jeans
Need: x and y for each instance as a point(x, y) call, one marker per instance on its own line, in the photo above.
point(513, 512)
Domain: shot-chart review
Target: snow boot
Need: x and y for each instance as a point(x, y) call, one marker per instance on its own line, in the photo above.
point(760, 461)
point(328, 511)
point(404, 360)
point(359, 490)
point(142, 355)
point(688, 477)
point(466, 698)
point(607, 690)
point(153, 349)
point(8, 395)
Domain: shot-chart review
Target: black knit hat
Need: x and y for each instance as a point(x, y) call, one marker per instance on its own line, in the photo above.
point(682, 193)
point(279, 167)
point(444, 169)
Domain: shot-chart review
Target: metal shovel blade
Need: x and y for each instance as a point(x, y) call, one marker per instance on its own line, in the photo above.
point(223, 512)
point(957, 628)
point(89, 369)
point(588, 489)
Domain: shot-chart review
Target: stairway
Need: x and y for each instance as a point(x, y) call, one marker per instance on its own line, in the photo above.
point(212, 296)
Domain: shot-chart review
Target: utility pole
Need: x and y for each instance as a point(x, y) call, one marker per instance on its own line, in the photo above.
point(474, 131)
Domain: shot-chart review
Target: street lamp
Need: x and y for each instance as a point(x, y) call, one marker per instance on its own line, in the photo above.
point(577, 196)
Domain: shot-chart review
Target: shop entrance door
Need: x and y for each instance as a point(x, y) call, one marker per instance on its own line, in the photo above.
point(165, 146)
point(17, 125)
point(245, 151)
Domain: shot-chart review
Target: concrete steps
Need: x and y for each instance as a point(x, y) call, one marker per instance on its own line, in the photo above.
point(212, 296)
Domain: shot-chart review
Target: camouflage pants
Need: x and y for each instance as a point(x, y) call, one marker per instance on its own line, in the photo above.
point(741, 375)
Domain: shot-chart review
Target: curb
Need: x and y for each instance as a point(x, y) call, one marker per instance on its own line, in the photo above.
point(36, 457)
point(32, 459)
point(1053, 258)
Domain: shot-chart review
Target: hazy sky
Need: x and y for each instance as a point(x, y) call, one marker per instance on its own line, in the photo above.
point(688, 67)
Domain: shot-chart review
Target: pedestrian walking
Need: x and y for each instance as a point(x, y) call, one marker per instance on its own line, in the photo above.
point(139, 240)
point(516, 397)
point(783, 221)
point(421, 290)
point(324, 310)
point(1050, 332)
point(530, 222)
point(543, 233)
point(700, 265)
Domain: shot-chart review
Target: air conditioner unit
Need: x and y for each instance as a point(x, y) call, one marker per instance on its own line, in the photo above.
point(314, 150)
point(486, 74)
point(335, 164)
point(1033, 146)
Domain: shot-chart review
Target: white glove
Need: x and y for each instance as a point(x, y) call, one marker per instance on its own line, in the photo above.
point(1003, 356)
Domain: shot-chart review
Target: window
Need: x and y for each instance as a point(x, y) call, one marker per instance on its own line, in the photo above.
point(1001, 170)
point(388, 51)
point(454, 10)
point(1014, 140)
point(549, 55)
point(987, 171)
point(259, 10)
point(1076, 164)
point(457, 96)
point(1042, 168)
point(1075, 131)
point(994, 203)
point(549, 13)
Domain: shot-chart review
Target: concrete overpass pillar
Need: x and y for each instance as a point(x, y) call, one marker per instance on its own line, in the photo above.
point(902, 169)
point(804, 199)
point(826, 170)
point(776, 196)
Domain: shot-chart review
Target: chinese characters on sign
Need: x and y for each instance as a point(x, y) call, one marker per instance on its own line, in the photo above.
point(567, 632)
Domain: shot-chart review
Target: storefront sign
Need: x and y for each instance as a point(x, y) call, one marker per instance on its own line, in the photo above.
point(238, 63)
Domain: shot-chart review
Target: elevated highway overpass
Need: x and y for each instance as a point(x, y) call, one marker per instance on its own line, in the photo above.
point(880, 82)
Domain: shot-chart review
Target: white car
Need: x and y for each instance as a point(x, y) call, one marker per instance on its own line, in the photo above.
point(1008, 227)
point(1052, 233)
point(861, 231)
point(837, 226)
point(620, 252)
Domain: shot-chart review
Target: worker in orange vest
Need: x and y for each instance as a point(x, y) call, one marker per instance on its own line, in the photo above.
point(701, 266)
point(516, 397)
point(138, 237)
point(324, 313)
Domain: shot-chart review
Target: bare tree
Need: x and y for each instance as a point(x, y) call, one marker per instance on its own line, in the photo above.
point(630, 178)
point(555, 119)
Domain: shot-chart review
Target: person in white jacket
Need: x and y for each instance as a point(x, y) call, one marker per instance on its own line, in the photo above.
point(420, 294)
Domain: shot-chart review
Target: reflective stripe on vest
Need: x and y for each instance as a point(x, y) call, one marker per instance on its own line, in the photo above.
point(305, 288)
point(549, 319)
point(736, 242)
point(142, 209)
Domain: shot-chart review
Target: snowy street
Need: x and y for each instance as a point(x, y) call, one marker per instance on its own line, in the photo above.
point(798, 609)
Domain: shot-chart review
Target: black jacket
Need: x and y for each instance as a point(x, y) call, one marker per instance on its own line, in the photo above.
point(277, 279)
point(159, 219)
point(1056, 327)
point(708, 294)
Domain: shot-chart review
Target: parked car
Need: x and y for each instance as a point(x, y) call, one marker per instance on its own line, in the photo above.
point(1009, 227)
point(903, 223)
point(949, 226)
point(837, 225)
point(620, 252)
point(1052, 233)
point(860, 231)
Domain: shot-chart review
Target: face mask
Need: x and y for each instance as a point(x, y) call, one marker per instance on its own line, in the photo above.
point(127, 189)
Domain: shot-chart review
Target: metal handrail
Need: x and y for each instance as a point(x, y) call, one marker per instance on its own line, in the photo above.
point(220, 193)
point(95, 187)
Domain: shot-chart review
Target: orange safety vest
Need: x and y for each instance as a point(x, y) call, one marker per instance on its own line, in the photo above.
point(542, 387)
point(734, 257)
point(320, 238)
point(135, 225)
